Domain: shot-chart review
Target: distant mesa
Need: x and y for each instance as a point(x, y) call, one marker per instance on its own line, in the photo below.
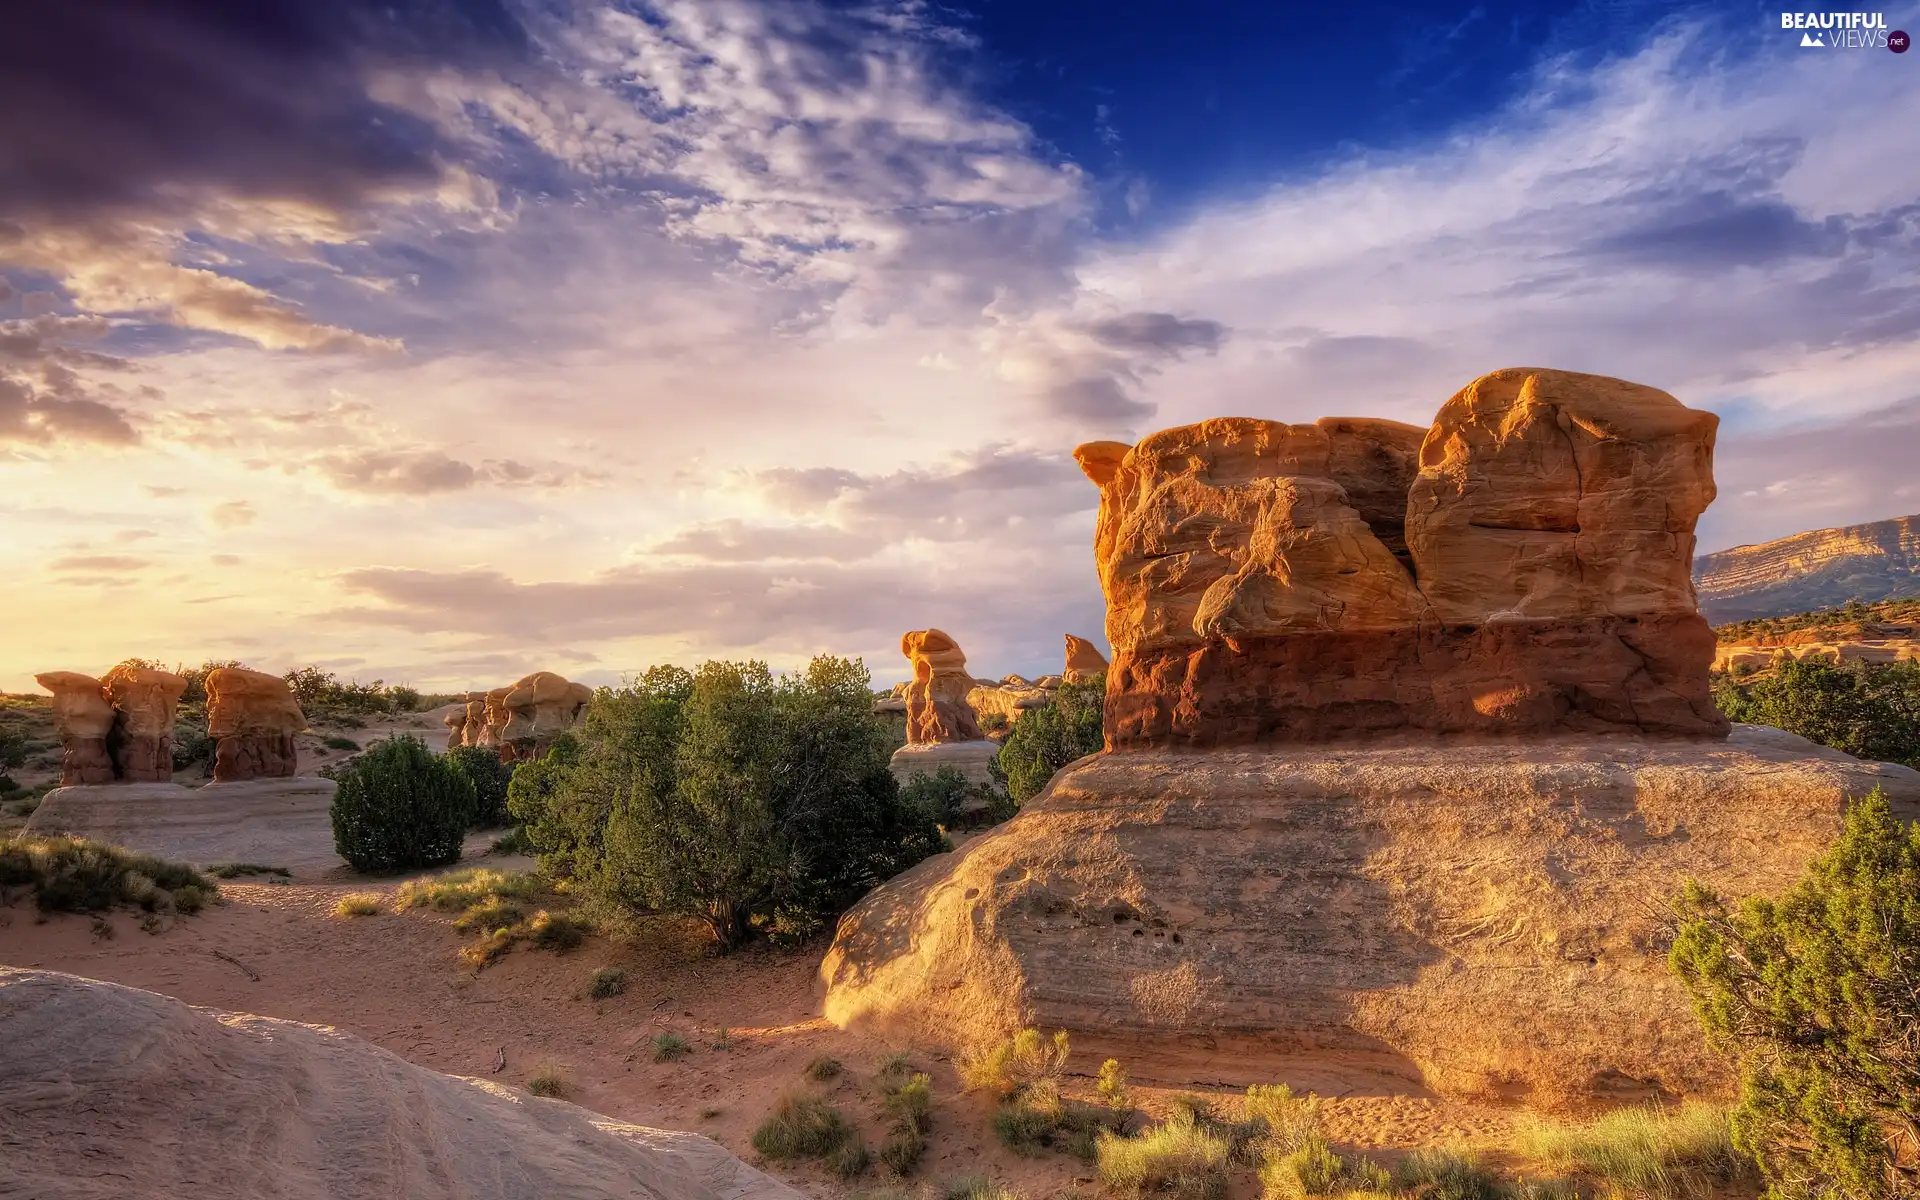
point(1521, 566)
point(1821, 569)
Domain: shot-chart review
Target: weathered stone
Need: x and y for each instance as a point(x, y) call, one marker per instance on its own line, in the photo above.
point(141, 742)
point(83, 717)
point(1257, 590)
point(937, 709)
point(253, 718)
point(539, 709)
point(1084, 660)
point(1483, 918)
point(456, 723)
point(474, 732)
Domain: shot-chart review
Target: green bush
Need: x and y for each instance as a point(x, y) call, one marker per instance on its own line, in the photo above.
point(1815, 996)
point(398, 806)
point(939, 795)
point(1869, 710)
point(334, 741)
point(1181, 1157)
point(14, 747)
point(403, 699)
point(729, 795)
point(317, 689)
point(66, 874)
point(491, 780)
point(1045, 739)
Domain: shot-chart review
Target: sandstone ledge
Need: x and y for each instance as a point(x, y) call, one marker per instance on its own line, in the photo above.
point(275, 822)
point(1486, 917)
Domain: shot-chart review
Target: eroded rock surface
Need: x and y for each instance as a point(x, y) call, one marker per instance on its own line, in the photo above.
point(143, 699)
point(1084, 660)
point(252, 716)
point(83, 717)
point(1485, 918)
point(1522, 566)
point(263, 1109)
point(540, 708)
point(937, 708)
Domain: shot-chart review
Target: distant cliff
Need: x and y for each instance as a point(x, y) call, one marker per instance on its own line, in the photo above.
point(1820, 569)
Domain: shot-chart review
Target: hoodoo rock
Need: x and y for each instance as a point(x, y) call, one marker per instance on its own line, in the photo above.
point(937, 709)
point(1084, 660)
point(1264, 585)
point(473, 731)
point(456, 723)
point(539, 708)
point(83, 717)
point(141, 743)
point(252, 716)
point(497, 716)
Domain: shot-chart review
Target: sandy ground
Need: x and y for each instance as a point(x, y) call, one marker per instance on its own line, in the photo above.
point(395, 980)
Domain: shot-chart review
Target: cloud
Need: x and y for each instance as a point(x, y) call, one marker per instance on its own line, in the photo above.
point(968, 496)
point(427, 472)
point(98, 562)
point(733, 540)
point(50, 385)
point(234, 514)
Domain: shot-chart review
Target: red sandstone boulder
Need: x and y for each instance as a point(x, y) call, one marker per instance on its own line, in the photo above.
point(937, 709)
point(83, 717)
point(1084, 660)
point(141, 743)
point(252, 716)
point(1262, 584)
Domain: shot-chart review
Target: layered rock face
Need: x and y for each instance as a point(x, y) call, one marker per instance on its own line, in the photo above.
point(1521, 566)
point(937, 709)
point(1084, 660)
point(1484, 917)
point(142, 739)
point(83, 717)
point(252, 716)
point(1823, 568)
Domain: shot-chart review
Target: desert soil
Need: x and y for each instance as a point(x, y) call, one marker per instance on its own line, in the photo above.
point(396, 980)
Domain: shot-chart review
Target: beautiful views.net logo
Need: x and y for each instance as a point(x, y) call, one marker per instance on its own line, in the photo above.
point(1845, 31)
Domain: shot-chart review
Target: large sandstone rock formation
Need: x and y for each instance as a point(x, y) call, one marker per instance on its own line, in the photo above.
point(142, 739)
point(83, 717)
point(937, 709)
point(252, 717)
point(1521, 566)
point(1084, 660)
point(112, 1092)
point(540, 708)
point(1487, 918)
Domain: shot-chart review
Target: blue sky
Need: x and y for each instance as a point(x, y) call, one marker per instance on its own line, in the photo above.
point(445, 341)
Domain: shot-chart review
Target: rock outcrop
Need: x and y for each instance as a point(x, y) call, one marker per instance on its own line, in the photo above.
point(456, 723)
point(937, 709)
point(143, 699)
point(252, 717)
point(540, 708)
point(1084, 660)
point(113, 1092)
point(286, 821)
point(1484, 919)
point(83, 717)
point(1522, 566)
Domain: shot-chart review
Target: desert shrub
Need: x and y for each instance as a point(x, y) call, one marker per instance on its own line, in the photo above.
point(801, 1126)
point(322, 690)
point(1447, 1173)
point(514, 842)
point(850, 1158)
point(558, 932)
point(1287, 1119)
point(192, 744)
point(1645, 1151)
point(547, 1080)
point(196, 677)
point(723, 1038)
point(490, 914)
point(358, 904)
point(235, 870)
point(403, 699)
point(488, 950)
point(902, 1149)
point(729, 795)
point(993, 722)
point(668, 1046)
point(1179, 1157)
point(65, 874)
point(1112, 1083)
point(1870, 710)
point(822, 1069)
point(14, 748)
point(336, 742)
point(1024, 1059)
point(939, 795)
point(976, 1187)
point(490, 779)
point(398, 806)
point(606, 982)
point(457, 891)
point(1044, 739)
point(1021, 1127)
point(1311, 1168)
point(894, 1070)
point(912, 1102)
point(1814, 996)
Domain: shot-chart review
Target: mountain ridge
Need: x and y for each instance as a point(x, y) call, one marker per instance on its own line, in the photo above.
point(1805, 572)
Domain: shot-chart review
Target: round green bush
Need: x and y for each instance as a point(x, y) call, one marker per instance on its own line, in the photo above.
point(397, 806)
point(490, 777)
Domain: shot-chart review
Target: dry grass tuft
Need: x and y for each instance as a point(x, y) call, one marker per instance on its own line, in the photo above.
point(360, 904)
point(1642, 1151)
point(1024, 1059)
point(548, 1080)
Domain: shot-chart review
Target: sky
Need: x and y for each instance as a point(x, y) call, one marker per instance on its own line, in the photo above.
point(441, 341)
